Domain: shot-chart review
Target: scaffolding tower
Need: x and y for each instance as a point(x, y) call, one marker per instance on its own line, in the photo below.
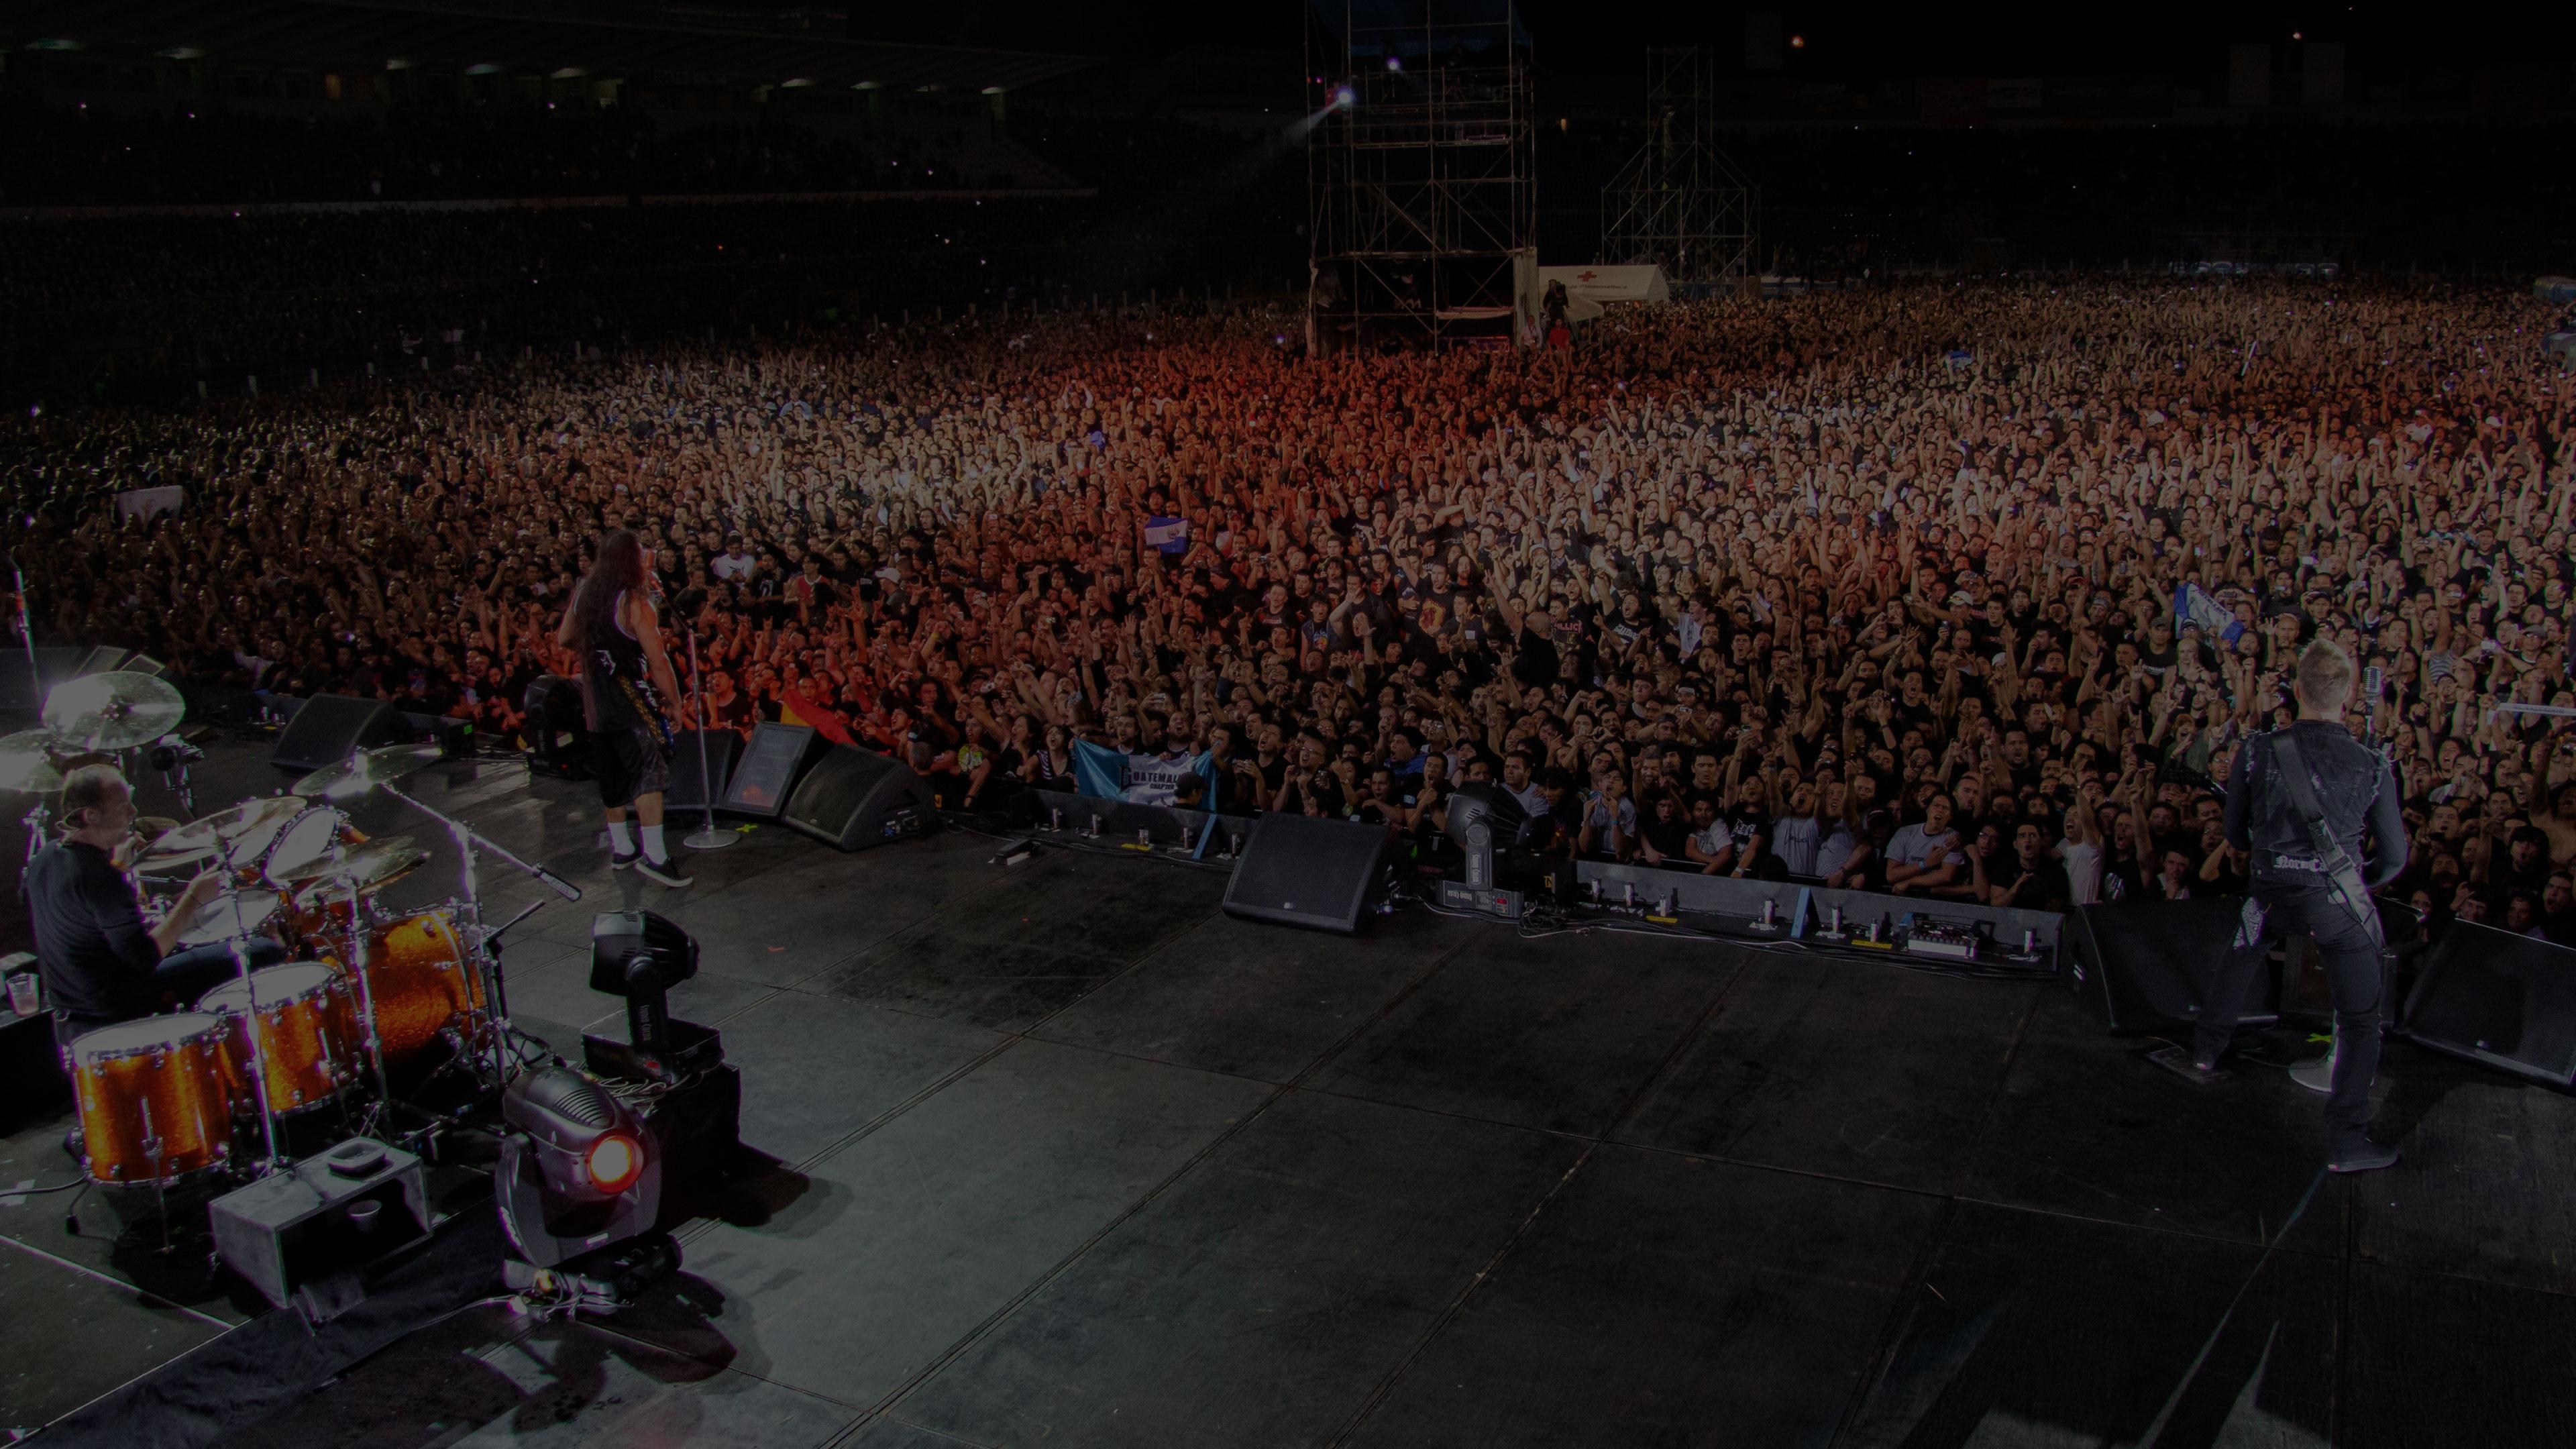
point(1679, 203)
point(1420, 177)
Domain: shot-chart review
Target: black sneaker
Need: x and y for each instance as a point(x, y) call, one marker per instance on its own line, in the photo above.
point(622, 859)
point(2368, 1157)
point(660, 872)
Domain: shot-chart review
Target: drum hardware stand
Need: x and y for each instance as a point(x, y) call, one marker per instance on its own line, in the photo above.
point(708, 838)
point(172, 755)
point(257, 1033)
point(359, 910)
point(36, 820)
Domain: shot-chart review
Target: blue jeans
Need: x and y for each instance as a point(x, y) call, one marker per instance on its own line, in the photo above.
point(181, 978)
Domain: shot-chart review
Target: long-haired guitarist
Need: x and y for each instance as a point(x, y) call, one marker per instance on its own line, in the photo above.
point(625, 675)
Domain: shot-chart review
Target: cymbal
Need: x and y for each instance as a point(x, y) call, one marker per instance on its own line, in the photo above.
point(27, 761)
point(113, 711)
point(160, 862)
point(305, 872)
point(367, 769)
point(230, 916)
point(255, 813)
point(377, 865)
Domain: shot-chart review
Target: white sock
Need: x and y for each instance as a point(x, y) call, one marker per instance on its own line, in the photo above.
point(653, 850)
point(619, 838)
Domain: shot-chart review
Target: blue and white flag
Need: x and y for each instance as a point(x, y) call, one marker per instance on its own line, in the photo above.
point(1107, 774)
point(1171, 535)
point(2193, 605)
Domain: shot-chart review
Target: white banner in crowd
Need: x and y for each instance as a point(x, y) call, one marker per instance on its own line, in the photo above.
point(149, 502)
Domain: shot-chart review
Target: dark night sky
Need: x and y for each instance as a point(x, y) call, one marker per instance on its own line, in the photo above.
point(1602, 37)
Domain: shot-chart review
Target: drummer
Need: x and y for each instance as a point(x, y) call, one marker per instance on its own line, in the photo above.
point(102, 963)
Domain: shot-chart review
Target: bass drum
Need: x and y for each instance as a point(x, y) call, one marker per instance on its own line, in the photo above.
point(156, 1098)
point(308, 1035)
point(422, 984)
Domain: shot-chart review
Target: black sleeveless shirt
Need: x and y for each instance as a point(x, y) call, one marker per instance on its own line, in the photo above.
point(612, 673)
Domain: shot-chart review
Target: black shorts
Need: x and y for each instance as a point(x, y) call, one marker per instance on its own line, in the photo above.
point(628, 763)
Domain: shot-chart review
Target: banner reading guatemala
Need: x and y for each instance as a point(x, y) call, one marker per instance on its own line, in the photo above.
point(2193, 605)
point(1107, 774)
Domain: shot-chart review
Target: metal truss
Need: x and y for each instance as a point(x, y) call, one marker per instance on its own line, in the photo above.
point(1679, 203)
point(1421, 190)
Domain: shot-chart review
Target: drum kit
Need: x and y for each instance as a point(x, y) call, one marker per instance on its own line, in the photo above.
point(370, 999)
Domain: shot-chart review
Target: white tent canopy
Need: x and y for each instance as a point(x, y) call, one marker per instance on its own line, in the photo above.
point(1605, 285)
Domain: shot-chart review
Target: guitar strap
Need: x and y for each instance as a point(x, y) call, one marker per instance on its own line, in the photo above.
point(2343, 873)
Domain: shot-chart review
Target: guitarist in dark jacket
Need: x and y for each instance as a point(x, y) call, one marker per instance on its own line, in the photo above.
point(2300, 800)
point(625, 676)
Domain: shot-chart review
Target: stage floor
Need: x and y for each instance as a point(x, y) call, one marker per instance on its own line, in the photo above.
point(1065, 1156)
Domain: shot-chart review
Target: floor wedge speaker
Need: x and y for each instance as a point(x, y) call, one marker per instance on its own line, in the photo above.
point(690, 789)
point(331, 727)
point(1307, 870)
point(854, 797)
point(2146, 965)
point(2494, 997)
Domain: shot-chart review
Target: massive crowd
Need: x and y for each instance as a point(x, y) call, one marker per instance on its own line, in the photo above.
point(1965, 591)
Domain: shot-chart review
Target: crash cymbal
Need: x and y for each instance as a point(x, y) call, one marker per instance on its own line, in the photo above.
point(367, 769)
point(263, 812)
point(231, 916)
point(377, 865)
point(305, 872)
point(27, 761)
point(170, 862)
point(113, 711)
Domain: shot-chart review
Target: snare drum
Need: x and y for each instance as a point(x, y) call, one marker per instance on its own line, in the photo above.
point(308, 1035)
point(421, 981)
point(156, 1098)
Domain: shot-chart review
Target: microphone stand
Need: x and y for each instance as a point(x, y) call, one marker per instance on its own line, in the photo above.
point(708, 838)
point(487, 962)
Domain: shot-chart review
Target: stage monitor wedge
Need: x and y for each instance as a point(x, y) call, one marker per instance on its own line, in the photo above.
point(331, 727)
point(767, 772)
point(1308, 870)
point(690, 788)
point(2504, 1000)
point(853, 798)
point(2143, 966)
point(100, 660)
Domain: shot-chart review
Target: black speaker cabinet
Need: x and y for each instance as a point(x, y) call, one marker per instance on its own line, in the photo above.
point(1306, 870)
point(766, 773)
point(306, 1238)
point(690, 788)
point(100, 660)
point(854, 797)
point(331, 727)
point(20, 689)
point(2146, 965)
point(2494, 997)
